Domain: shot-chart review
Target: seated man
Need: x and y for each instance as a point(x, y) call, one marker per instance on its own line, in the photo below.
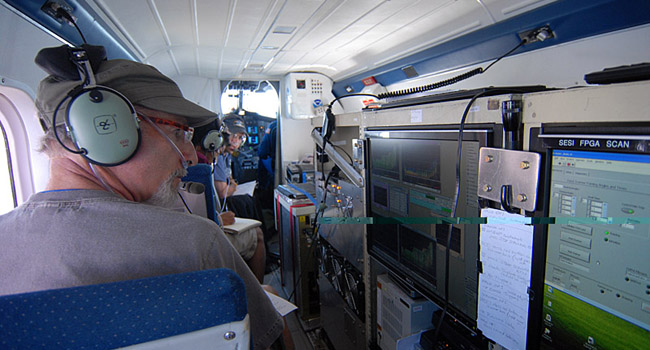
point(102, 221)
point(235, 136)
point(250, 243)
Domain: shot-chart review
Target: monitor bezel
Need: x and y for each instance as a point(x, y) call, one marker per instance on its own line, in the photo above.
point(487, 135)
point(544, 140)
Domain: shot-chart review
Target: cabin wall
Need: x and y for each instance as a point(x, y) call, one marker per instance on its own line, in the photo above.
point(562, 65)
point(19, 80)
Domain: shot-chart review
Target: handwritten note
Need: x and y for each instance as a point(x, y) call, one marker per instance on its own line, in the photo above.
point(506, 255)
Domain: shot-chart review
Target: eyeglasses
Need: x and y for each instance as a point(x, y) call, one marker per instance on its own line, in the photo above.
point(239, 136)
point(181, 132)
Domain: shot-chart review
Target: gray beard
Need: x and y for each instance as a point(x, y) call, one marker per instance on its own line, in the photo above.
point(167, 194)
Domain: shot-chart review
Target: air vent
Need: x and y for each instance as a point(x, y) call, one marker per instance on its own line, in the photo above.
point(283, 30)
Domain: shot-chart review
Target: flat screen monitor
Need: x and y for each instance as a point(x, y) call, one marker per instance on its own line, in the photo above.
point(411, 185)
point(591, 268)
point(597, 272)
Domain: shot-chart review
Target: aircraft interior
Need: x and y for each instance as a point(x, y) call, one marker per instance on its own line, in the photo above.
point(444, 174)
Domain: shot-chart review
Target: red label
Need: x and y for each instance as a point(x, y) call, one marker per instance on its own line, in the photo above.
point(369, 81)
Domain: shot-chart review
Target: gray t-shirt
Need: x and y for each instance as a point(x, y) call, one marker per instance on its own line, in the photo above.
point(70, 238)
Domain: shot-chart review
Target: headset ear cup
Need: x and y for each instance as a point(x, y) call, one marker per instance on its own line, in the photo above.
point(212, 140)
point(103, 124)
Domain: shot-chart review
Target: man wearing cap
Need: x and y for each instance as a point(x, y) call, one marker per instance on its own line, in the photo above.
point(104, 223)
point(249, 243)
point(235, 136)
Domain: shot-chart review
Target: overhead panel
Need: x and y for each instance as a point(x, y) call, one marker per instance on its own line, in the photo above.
point(333, 24)
point(136, 21)
point(185, 57)
point(212, 18)
point(503, 9)
point(177, 20)
point(163, 61)
point(209, 56)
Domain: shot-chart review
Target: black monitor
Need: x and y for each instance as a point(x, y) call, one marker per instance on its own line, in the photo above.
point(594, 270)
point(411, 183)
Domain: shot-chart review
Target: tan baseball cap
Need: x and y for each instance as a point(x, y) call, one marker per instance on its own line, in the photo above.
point(140, 83)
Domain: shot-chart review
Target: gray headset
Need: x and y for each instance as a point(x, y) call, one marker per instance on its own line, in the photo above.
point(212, 140)
point(101, 121)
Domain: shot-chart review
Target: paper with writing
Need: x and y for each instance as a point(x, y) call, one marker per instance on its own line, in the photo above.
point(506, 256)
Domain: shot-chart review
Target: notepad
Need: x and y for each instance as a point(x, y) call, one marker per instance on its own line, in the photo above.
point(241, 225)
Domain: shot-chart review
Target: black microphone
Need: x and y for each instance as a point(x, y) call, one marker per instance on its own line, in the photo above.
point(192, 187)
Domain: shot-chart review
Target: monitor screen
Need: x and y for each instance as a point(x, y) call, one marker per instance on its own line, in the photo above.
point(597, 270)
point(411, 179)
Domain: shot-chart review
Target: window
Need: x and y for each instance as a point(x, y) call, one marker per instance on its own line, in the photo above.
point(259, 97)
point(7, 193)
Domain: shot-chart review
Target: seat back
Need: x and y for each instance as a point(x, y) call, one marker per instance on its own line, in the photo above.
point(191, 310)
point(202, 173)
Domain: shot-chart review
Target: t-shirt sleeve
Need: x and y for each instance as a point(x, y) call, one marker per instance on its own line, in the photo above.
point(266, 323)
point(220, 170)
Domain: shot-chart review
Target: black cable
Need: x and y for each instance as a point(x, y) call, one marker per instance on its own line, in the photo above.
point(61, 12)
point(459, 151)
point(343, 150)
point(432, 86)
point(56, 134)
point(315, 225)
point(351, 95)
point(521, 43)
point(449, 81)
point(184, 203)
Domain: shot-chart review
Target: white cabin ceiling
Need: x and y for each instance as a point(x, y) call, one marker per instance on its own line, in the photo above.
point(239, 39)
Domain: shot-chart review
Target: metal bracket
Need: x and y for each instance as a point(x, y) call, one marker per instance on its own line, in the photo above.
point(509, 177)
point(358, 150)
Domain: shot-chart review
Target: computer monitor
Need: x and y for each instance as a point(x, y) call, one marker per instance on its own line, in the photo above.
point(596, 266)
point(411, 185)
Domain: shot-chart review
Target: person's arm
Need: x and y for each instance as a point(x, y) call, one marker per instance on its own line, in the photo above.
point(222, 187)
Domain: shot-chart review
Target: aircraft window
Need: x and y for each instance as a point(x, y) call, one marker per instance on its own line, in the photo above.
point(259, 97)
point(7, 193)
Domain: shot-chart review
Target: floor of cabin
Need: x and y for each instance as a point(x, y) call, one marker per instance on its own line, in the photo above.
point(303, 340)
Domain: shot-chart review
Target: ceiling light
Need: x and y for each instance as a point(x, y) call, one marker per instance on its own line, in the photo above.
point(269, 47)
point(283, 30)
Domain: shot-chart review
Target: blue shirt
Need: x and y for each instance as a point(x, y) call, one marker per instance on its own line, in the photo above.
point(222, 170)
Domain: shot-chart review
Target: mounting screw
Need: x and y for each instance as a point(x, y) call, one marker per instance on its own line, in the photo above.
point(229, 335)
point(524, 165)
point(521, 197)
point(488, 158)
point(487, 188)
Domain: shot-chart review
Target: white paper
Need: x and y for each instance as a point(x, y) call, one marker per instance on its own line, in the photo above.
point(506, 256)
point(281, 305)
point(416, 116)
point(245, 188)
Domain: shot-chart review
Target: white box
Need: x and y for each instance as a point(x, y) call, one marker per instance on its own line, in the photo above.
point(399, 315)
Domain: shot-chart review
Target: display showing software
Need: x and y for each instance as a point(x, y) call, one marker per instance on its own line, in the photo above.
point(597, 275)
point(412, 180)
